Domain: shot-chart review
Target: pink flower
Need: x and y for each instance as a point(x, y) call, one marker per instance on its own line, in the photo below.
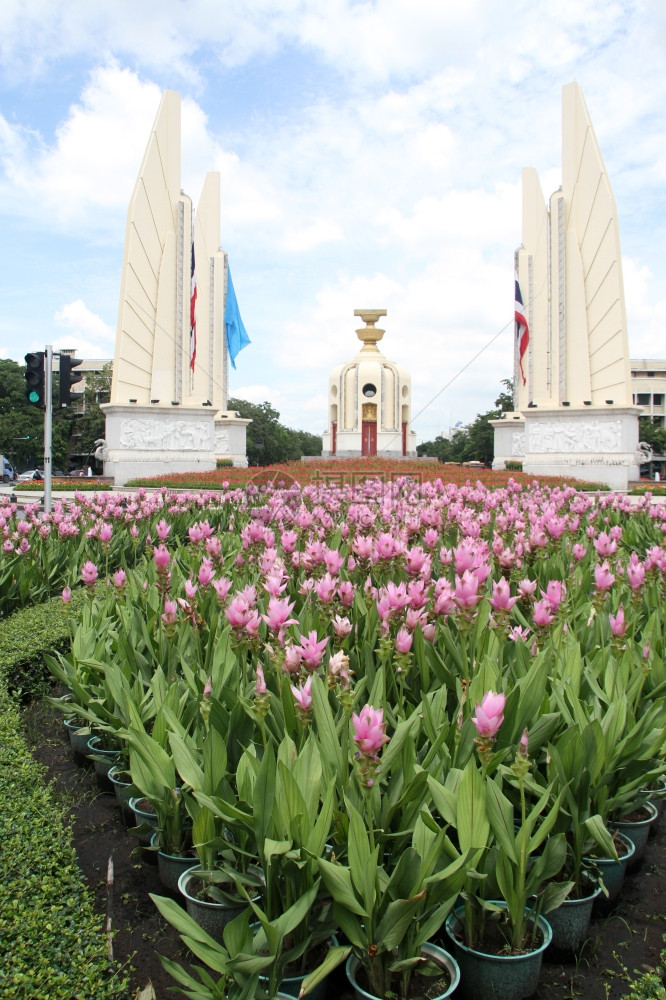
point(523, 746)
point(237, 612)
point(288, 539)
point(292, 659)
point(312, 651)
point(191, 589)
point(170, 615)
point(119, 578)
point(66, 595)
point(162, 529)
point(89, 573)
point(635, 572)
point(605, 544)
point(346, 593)
point(341, 626)
point(369, 728)
point(222, 588)
point(489, 714)
point(302, 695)
point(603, 577)
point(428, 630)
point(554, 594)
point(617, 623)
point(517, 633)
point(501, 599)
point(206, 573)
point(466, 593)
point(338, 670)
point(403, 640)
point(527, 587)
point(542, 614)
point(333, 561)
point(105, 533)
point(325, 588)
point(277, 617)
point(260, 684)
point(444, 598)
point(161, 556)
point(414, 560)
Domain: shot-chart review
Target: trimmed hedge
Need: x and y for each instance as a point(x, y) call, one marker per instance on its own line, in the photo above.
point(52, 943)
point(24, 638)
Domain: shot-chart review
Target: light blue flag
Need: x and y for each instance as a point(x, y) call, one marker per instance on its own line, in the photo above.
point(237, 337)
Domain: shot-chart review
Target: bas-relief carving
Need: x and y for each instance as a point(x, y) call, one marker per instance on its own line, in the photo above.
point(518, 444)
point(150, 435)
point(222, 441)
point(569, 436)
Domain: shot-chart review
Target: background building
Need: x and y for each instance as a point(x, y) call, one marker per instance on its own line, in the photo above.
point(648, 387)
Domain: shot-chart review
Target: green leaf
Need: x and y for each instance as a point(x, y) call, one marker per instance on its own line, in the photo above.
point(471, 815)
point(500, 817)
point(397, 918)
point(338, 881)
point(334, 957)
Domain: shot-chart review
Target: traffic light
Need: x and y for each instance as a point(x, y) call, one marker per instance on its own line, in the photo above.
point(34, 378)
point(68, 378)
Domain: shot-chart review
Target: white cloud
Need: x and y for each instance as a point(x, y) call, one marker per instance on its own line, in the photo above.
point(87, 333)
point(84, 179)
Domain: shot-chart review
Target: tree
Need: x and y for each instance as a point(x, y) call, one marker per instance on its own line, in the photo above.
point(21, 424)
point(268, 441)
point(307, 443)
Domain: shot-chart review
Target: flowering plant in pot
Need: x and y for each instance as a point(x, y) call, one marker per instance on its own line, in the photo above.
point(574, 767)
point(515, 858)
point(251, 959)
point(388, 916)
point(154, 774)
point(276, 826)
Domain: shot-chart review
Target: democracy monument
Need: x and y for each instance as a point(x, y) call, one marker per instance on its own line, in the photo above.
point(369, 401)
point(573, 412)
point(167, 411)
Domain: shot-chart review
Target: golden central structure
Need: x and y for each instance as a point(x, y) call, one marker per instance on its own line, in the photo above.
point(370, 398)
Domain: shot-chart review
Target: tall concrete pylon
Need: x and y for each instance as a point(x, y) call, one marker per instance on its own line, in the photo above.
point(573, 410)
point(168, 402)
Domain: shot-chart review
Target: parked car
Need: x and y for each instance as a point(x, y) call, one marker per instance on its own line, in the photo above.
point(78, 473)
point(30, 474)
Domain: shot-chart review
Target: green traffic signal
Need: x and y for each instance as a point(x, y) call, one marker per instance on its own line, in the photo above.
point(34, 378)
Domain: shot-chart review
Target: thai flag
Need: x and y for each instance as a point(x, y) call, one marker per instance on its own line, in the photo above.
point(193, 314)
point(522, 329)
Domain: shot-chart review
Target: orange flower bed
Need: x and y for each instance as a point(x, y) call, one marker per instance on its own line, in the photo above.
point(339, 472)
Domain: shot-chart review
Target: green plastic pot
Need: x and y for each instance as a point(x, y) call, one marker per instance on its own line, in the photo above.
point(495, 977)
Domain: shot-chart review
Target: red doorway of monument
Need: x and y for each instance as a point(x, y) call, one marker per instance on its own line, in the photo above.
point(334, 437)
point(404, 438)
point(368, 438)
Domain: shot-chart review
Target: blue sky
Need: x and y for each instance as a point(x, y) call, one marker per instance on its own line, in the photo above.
point(370, 155)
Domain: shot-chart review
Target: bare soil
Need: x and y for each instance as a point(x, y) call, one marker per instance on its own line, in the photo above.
point(622, 942)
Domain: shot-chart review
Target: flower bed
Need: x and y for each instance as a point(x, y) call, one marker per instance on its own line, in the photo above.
point(385, 693)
